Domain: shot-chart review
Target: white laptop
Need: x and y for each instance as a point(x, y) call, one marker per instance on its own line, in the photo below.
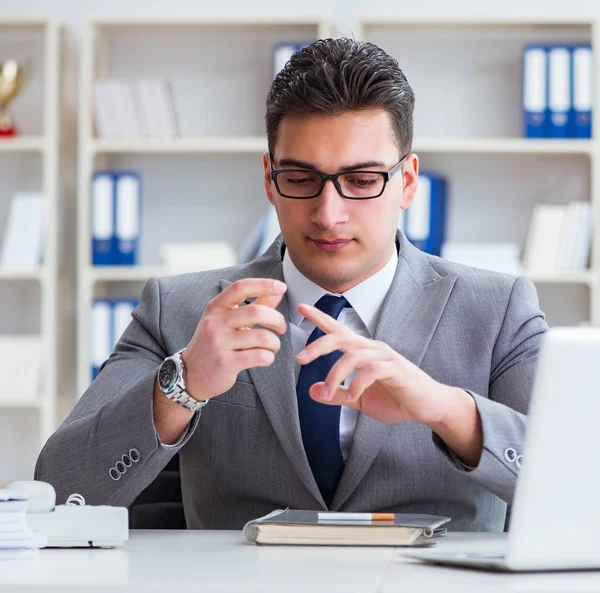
point(555, 521)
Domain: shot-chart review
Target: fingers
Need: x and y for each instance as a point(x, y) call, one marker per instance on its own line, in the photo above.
point(255, 338)
point(344, 341)
point(255, 357)
point(325, 322)
point(240, 290)
point(250, 315)
point(347, 364)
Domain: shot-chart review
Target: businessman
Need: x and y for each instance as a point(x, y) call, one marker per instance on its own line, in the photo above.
point(343, 369)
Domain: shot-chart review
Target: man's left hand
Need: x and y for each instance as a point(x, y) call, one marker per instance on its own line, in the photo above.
point(390, 388)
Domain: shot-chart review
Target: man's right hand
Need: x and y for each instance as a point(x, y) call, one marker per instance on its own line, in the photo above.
point(226, 340)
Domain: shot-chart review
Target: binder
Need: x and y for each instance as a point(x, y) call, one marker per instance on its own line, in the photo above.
point(535, 91)
point(121, 318)
point(101, 320)
point(128, 212)
point(425, 220)
point(582, 90)
point(103, 220)
point(559, 92)
point(282, 52)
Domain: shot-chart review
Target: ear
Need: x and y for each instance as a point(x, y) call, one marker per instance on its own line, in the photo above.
point(267, 178)
point(410, 175)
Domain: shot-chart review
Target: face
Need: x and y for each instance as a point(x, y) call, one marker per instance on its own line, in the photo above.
point(336, 242)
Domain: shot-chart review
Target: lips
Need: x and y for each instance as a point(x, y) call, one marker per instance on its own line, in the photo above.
point(331, 244)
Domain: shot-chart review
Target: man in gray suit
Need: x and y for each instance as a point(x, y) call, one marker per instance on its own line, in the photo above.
point(344, 369)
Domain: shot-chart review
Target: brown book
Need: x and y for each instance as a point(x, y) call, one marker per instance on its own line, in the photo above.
point(314, 528)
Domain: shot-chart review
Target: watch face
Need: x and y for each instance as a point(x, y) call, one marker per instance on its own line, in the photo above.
point(168, 375)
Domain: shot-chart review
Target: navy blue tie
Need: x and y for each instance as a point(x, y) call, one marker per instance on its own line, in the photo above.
point(320, 423)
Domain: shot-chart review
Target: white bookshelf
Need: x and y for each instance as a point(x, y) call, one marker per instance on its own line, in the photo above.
point(30, 162)
point(205, 184)
point(466, 74)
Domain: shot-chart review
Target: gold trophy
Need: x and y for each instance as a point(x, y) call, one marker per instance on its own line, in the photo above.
point(12, 77)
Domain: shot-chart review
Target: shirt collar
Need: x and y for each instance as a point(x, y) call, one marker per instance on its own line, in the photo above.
point(366, 298)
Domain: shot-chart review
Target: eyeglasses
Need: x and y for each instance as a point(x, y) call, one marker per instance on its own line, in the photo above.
point(300, 184)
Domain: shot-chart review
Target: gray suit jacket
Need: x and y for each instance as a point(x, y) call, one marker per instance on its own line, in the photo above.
point(242, 456)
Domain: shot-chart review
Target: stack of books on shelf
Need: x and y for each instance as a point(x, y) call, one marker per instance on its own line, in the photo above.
point(558, 239)
point(23, 241)
point(110, 318)
point(557, 91)
point(116, 218)
point(135, 109)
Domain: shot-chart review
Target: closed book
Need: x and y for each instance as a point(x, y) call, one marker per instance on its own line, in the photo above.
point(299, 527)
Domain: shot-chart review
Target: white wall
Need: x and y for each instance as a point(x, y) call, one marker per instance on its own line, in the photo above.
point(343, 12)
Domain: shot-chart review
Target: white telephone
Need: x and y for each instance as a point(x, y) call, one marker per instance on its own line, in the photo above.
point(74, 524)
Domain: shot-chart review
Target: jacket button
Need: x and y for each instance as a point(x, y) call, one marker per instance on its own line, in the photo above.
point(120, 467)
point(114, 474)
point(510, 455)
point(135, 455)
point(518, 461)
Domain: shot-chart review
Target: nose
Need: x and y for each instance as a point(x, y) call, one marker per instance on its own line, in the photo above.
point(330, 208)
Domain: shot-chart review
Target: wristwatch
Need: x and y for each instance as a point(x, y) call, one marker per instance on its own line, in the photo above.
point(171, 381)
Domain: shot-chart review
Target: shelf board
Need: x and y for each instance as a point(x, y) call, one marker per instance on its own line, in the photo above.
point(584, 277)
point(252, 145)
point(23, 144)
point(504, 146)
point(21, 275)
point(15, 402)
point(124, 273)
point(167, 23)
point(491, 22)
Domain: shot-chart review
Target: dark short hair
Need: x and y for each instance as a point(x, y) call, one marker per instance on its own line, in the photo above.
point(335, 76)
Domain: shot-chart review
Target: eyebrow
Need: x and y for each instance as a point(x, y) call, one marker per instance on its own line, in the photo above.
point(310, 167)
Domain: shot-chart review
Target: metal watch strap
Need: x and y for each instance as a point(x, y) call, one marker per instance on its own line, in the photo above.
point(180, 395)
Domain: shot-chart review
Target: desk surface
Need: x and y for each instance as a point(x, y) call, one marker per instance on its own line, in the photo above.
point(221, 561)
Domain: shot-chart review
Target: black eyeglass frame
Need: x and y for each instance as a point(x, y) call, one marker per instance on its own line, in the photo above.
point(387, 175)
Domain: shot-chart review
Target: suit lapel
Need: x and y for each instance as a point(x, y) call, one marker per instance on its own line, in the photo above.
point(408, 319)
point(276, 388)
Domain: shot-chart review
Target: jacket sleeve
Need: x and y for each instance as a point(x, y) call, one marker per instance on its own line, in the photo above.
point(503, 413)
point(114, 417)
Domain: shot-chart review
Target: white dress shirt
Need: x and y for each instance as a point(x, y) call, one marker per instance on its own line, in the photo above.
point(366, 299)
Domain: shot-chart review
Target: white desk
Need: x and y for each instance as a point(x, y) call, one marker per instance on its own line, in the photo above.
point(221, 561)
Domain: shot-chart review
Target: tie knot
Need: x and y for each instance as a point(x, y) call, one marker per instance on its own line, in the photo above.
point(332, 305)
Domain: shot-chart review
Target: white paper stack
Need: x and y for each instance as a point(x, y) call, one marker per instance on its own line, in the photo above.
point(16, 539)
point(559, 238)
point(135, 109)
point(23, 241)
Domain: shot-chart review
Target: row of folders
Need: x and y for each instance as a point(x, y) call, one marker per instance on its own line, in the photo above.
point(116, 218)
point(558, 91)
point(110, 318)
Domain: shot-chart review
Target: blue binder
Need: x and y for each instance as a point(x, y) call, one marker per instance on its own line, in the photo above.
point(424, 221)
point(282, 52)
point(116, 218)
point(110, 318)
point(103, 219)
point(582, 90)
point(535, 91)
point(101, 334)
point(560, 84)
point(128, 215)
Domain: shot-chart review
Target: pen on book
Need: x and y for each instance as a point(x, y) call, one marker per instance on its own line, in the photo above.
point(355, 516)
